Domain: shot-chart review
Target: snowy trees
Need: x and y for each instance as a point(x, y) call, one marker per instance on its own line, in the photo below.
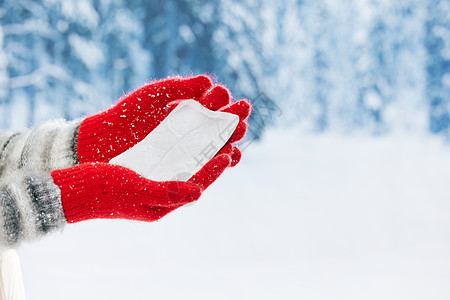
point(364, 65)
point(437, 43)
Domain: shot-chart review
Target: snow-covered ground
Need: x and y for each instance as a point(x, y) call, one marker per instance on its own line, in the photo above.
point(302, 217)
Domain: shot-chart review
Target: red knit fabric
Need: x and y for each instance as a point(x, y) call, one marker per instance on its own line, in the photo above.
point(100, 190)
point(109, 133)
point(106, 191)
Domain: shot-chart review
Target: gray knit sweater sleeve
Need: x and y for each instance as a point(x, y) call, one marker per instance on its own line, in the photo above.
point(30, 203)
point(50, 146)
point(30, 206)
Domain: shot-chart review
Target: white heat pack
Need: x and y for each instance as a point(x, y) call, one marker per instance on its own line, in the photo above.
point(181, 145)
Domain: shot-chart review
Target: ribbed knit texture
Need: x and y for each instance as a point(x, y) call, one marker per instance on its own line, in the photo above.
point(50, 146)
point(30, 206)
point(30, 203)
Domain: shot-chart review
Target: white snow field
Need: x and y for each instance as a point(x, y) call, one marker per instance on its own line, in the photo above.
point(301, 217)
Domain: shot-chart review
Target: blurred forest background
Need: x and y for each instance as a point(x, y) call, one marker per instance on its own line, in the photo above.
point(358, 211)
point(374, 66)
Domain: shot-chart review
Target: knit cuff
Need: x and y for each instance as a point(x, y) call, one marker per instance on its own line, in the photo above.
point(12, 144)
point(77, 198)
point(51, 146)
point(30, 207)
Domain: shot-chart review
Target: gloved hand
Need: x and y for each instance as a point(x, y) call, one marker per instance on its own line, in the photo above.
point(111, 132)
point(101, 190)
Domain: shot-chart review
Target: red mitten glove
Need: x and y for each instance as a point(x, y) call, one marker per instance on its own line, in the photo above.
point(100, 190)
point(109, 133)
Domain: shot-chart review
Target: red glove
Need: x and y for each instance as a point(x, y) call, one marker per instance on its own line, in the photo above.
point(100, 190)
point(109, 133)
point(96, 189)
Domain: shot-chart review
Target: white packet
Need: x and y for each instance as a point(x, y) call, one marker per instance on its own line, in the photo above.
point(181, 145)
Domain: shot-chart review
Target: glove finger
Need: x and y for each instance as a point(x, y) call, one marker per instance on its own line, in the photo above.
point(231, 151)
point(172, 89)
point(216, 98)
point(238, 133)
point(235, 156)
point(242, 108)
point(211, 171)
